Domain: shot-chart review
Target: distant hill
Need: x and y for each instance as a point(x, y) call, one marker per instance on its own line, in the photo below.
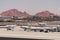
point(14, 12)
point(44, 14)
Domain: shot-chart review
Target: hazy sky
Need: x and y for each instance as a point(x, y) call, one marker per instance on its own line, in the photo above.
point(31, 6)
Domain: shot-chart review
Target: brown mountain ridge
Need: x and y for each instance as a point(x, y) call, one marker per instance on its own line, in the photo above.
point(45, 14)
point(15, 12)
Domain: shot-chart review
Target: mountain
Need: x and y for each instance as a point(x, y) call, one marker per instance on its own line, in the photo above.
point(14, 12)
point(44, 14)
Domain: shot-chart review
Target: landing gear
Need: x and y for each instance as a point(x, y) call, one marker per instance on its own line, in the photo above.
point(46, 31)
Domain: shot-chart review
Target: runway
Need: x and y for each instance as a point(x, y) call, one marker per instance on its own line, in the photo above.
point(6, 38)
point(19, 33)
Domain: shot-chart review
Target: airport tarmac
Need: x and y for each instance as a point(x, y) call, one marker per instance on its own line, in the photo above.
point(19, 33)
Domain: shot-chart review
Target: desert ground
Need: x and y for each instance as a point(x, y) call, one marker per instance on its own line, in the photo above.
point(19, 33)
